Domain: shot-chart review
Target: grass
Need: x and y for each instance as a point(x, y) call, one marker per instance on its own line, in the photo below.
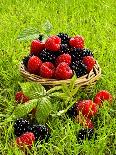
point(93, 19)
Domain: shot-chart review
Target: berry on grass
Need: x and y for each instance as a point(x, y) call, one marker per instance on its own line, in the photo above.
point(53, 43)
point(64, 38)
point(34, 64)
point(102, 96)
point(25, 140)
point(21, 98)
point(63, 58)
point(89, 62)
point(36, 47)
point(47, 70)
point(77, 42)
point(84, 134)
point(87, 107)
point(63, 71)
point(21, 126)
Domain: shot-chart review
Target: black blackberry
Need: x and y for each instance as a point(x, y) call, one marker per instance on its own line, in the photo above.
point(76, 54)
point(84, 134)
point(64, 38)
point(64, 48)
point(79, 68)
point(25, 60)
point(86, 52)
point(41, 132)
point(72, 112)
point(46, 55)
point(21, 126)
point(41, 37)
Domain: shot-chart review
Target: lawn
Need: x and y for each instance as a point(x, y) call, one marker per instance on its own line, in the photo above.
point(95, 20)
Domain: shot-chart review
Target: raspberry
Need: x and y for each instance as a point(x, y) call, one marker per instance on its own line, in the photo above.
point(47, 70)
point(53, 43)
point(77, 42)
point(21, 126)
point(79, 68)
point(89, 123)
point(84, 134)
point(36, 47)
point(25, 60)
point(86, 52)
point(102, 96)
point(89, 61)
point(40, 132)
point(87, 107)
point(63, 58)
point(64, 38)
point(46, 55)
point(34, 64)
point(21, 98)
point(25, 140)
point(63, 71)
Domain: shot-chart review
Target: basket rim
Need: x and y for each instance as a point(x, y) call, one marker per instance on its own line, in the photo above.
point(91, 77)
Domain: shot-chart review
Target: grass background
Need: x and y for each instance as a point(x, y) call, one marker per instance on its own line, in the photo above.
point(95, 20)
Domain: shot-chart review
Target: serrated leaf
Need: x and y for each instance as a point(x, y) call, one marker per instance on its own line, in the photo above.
point(44, 109)
point(33, 90)
point(47, 26)
point(28, 34)
point(23, 109)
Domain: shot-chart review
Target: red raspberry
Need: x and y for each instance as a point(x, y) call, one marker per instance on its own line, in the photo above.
point(53, 43)
point(21, 98)
point(34, 64)
point(47, 70)
point(88, 123)
point(77, 42)
point(87, 107)
point(25, 140)
point(89, 62)
point(36, 47)
point(63, 58)
point(102, 96)
point(63, 71)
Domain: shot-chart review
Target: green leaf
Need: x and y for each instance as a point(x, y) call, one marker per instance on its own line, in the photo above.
point(28, 34)
point(47, 26)
point(33, 90)
point(23, 109)
point(44, 109)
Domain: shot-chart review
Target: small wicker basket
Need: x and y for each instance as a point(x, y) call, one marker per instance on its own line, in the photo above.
point(86, 80)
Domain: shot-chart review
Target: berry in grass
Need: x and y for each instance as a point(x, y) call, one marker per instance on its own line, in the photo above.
point(25, 60)
point(88, 123)
point(79, 68)
point(21, 126)
point(48, 56)
point(86, 52)
point(72, 112)
point(64, 38)
point(89, 62)
point(25, 140)
point(36, 47)
point(84, 134)
point(63, 71)
point(87, 107)
point(53, 43)
point(40, 132)
point(77, 42)
point(20, 97)
point(101, 96)
point(63, 58)
point(47, 70)
point(34, 64)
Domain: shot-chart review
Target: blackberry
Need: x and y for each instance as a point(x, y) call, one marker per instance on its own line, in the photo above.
point(41, 37)
point(72, 112)
point(26, 59)
point(79, 68)
point(84, 134)
point(40, 132)
point(64, 48)
point(86, 52)
point(76, 54)
point(46, 55)
point(64, 38)
point(21, 126)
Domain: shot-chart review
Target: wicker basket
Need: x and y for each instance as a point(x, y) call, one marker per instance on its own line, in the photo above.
point(86, 80)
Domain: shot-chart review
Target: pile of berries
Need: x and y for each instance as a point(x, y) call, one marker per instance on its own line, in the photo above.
point(84, 110)
point(59, 57)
